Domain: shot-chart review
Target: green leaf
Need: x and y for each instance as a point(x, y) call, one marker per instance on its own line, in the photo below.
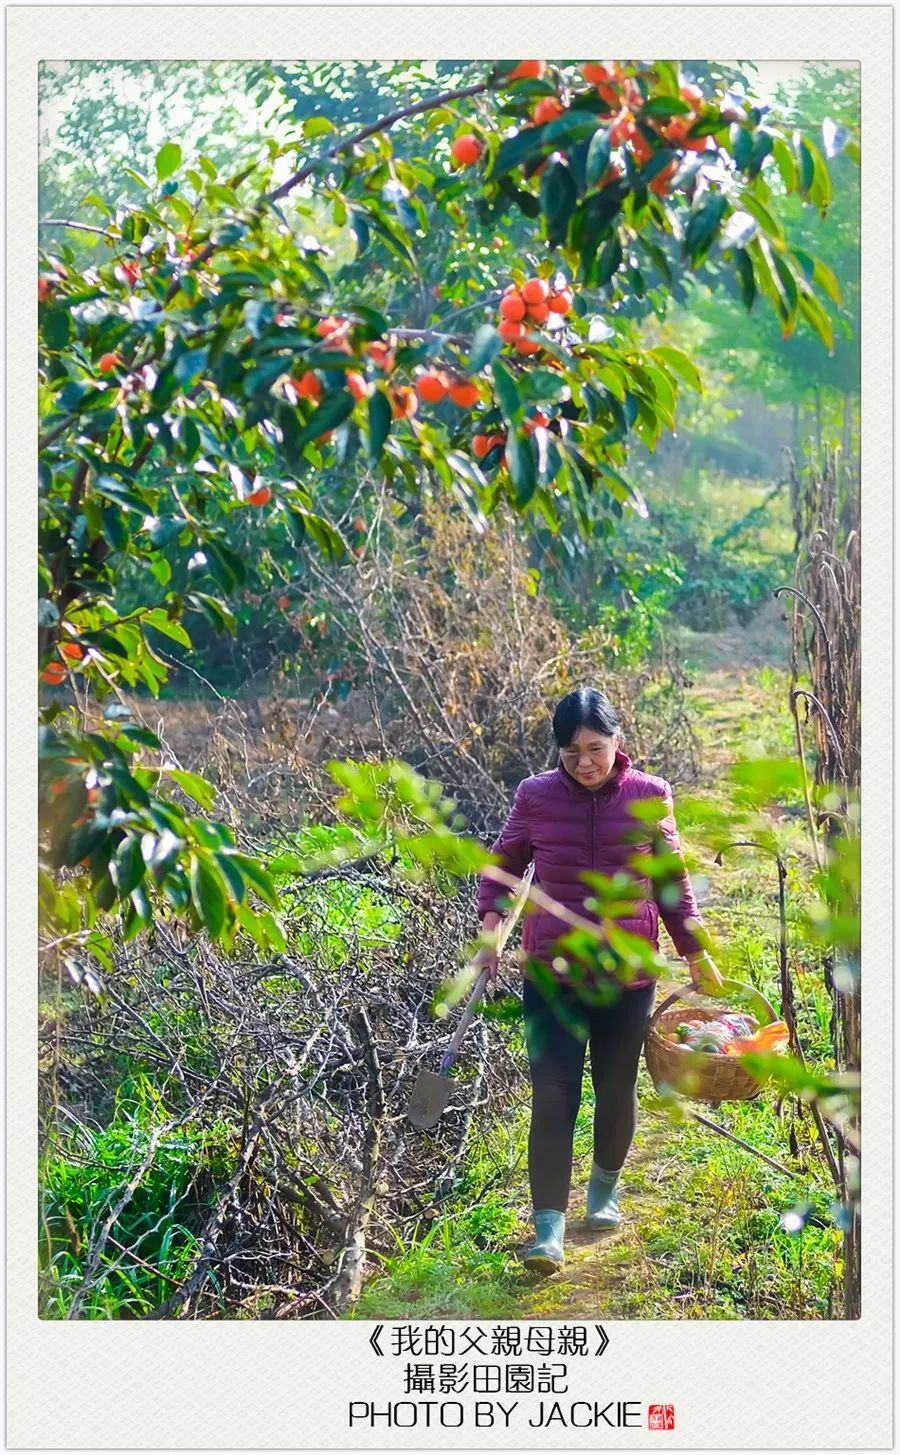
point(56, 327)
point(486, 345)
point(220, 616)
point(274, 932)
point(138, 913)
point(379, 423)
point(336, 405)
point(160, 621)
point(572, 126)
point(250, 921)
point(597, 157)
point(815, 315)
point(360, 229)
point(656, 164)
point(659, 259)
point(751, 203)
point(466, 469)
point(257, 877)
point(805, 160)
point(522, 464)
point(91, 199)
point(127, 868)
point(114, 490)
point(746, 278)
point(168, 160)
point(609, 262)
point(73, 393)
point(678, 360)
point(622, 489)
point(231, 873)
point(541, 386)
point(762, 148)
point(397, 245)
point(784, 160)
point(315, 126)
point(787, 285)
point(140, 736)
point(508, 396)
point(665, 107)
point(593, 222)
point(558, 198)
point(668, 78)
point(207, 894)
point(703, 226)
point(527, 145)
point(190, 365)
point(329, 541)
point(820, 188)
point(826, 280)
point(194, 786)
point(741, 145)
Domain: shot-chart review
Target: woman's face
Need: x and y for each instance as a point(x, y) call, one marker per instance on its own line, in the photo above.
point(590, 757)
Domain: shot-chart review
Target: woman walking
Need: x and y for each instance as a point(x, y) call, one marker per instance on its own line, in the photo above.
point(580, 817)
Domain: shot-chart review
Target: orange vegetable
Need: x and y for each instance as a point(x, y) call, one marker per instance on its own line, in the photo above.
point(773, 1037)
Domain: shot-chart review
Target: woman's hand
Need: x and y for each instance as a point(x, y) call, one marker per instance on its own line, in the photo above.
point(704, 972)
point(489, 955)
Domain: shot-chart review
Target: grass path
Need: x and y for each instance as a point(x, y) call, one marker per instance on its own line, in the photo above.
point(603, 1271)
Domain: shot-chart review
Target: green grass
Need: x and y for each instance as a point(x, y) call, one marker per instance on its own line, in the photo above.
point(702, 1238)
point(460, 1262)
point(153, 1242)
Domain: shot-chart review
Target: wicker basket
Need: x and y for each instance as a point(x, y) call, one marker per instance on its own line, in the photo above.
point(702, 1075)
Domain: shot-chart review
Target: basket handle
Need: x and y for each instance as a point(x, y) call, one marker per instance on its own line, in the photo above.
point(690, 992)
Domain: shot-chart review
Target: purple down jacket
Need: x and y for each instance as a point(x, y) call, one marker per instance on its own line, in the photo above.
point(566, 829)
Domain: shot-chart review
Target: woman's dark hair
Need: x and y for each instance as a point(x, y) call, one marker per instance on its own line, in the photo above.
point(586, 707)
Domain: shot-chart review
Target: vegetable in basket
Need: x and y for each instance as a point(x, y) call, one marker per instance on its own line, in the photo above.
point(773, 1037)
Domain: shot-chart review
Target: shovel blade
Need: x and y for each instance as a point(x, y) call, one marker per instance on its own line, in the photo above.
point(429, 1098)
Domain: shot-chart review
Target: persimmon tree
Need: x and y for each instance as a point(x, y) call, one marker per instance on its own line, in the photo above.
point(221, 374)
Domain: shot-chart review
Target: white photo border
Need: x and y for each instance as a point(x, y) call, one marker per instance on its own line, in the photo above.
point(286, 1385)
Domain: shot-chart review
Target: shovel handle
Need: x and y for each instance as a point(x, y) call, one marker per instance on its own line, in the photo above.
point(464, 1021)
point(503, 935)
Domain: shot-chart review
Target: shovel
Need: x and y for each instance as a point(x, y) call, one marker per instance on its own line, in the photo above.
point(432, 1089)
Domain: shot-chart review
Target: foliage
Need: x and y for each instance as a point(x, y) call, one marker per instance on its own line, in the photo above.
point(711, 550)
point(197, 384)
point(783, 366)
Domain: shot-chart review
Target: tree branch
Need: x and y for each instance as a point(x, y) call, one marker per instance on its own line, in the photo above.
point(77, 227)
point(432, 103)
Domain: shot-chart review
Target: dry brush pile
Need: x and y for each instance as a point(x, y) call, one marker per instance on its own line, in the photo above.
point(286, 1079)
point(437, 646)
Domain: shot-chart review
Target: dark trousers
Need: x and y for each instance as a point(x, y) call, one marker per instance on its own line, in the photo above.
point(559, 1025)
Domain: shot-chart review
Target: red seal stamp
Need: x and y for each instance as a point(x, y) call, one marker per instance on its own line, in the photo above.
point(661, 1417)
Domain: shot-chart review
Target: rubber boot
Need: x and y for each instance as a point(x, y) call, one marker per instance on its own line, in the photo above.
point(602, 1202)
point(546, 1253)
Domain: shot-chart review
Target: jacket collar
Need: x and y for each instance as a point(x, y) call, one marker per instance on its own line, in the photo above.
point(612, 784)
